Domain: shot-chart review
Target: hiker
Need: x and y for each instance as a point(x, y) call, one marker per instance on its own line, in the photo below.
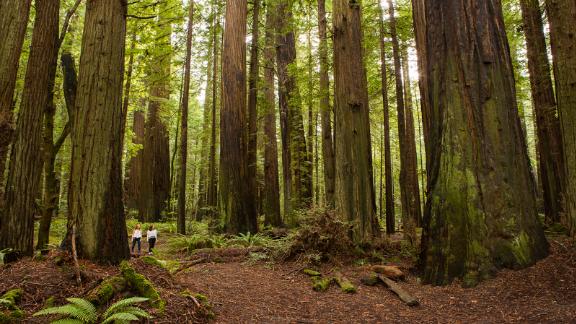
point(136, 237)
point(152, 234)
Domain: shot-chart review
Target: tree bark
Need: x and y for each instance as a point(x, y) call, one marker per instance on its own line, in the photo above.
point(390, 209)
point(236, 203)
point(325, 110)
point(548, 126)
point(13, 22)
point(184, 126)
point(561, 15)
point(135, 165)
point(95, 195)
point(409, 194)
point(25, 170)
point(354, 191)
point(271, 185)
point(212, 194)
point(481, 212)
point(253, 80)
point(295, 156)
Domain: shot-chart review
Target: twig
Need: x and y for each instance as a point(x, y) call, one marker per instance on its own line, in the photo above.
point(69, 15)
point(75, 256)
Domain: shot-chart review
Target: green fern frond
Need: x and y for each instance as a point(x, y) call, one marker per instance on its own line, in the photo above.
point(123, 317)
point(68, 310)
point(68, 321)
point(86, 306)
point(119, 305)
point(136, 311)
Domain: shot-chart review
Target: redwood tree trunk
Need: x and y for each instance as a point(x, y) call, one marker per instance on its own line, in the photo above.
point(354, 192)
point(561, 15)
point(135, 165)
point(551, 165)
point(409, 193)
point(184, 126)
point(271, 201)
point(24, 172)
point(13, 22)
point(390, 209)
point(237, 204)
point(212, 190)
point(253, 80)
point(481, 210)
point(95, 196)
point(325, 110)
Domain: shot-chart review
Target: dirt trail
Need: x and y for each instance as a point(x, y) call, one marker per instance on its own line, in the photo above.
point(243, 293)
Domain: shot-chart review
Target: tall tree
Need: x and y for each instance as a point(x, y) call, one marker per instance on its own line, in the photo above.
point(155, 187)
point(236, 203)
point(13, 22)
point(390, 210)
point(561, 15)
point(325, 110)
point(184, 125)
point(409, 192)
point(135, 164)
point(271, 201)
point(253, 79)
point(212, 190)
point(296, 166)
point(481, 211)
point(354, 192)
point(549, 139)
point(24, 172)
point(95, 195)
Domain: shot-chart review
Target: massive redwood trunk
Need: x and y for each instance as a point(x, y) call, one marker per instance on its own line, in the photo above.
point(561, 15)
point(95, 195)
point(13, 22)
point(237, 203)
point(354, 192)
point(551, 164)
point(481, 211)
point(25, 170)
point(253, 80)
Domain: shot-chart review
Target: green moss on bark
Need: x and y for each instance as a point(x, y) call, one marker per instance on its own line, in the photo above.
point(106, 290)
point(143, 286)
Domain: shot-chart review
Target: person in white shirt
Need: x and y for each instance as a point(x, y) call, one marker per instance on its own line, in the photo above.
point(152, 235)
point(136, 237)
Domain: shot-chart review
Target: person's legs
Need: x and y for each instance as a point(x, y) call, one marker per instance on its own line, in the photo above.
point(151, 244)
point(133, 244)
point(139, 249)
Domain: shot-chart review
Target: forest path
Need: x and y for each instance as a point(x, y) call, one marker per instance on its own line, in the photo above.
point(280, 293)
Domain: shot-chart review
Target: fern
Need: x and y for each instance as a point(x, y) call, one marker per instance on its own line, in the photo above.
point(81, 311)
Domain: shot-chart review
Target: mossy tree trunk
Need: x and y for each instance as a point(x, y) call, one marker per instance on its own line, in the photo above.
point(271, 201)
point(325, 109)
point(481, 210)
point(354, 191)
point(390, 210)
point(561, 15)
point(25, 169)
point(95, 195)
point(237, 204)
point(155, 186)
point(551, 165)
point(13, 22)
point(296, 166)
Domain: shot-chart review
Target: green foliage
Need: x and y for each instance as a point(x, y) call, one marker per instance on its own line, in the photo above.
point(142, 285)
point(312, 273)
point(82, 311)
point(9, 311)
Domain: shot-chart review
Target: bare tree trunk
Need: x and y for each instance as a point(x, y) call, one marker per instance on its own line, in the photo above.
point(271, 185)
point(253, 80)
point(25, 170)
point(184, 126)
point(236, 203)
point(561, 15)
point(354, 194)
point(212, 195)
point(325, 110)
point(390, 209)
point(13, 22)
point(481, 211)
point(95, 195)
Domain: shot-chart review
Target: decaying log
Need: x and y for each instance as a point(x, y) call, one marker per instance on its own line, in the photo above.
point(403, 294)
point(344, 283)
point(392, 272)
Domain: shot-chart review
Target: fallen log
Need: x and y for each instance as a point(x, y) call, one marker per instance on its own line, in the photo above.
point(188, 264)
point(344, 283)
point(392, 272)
point(403, 294)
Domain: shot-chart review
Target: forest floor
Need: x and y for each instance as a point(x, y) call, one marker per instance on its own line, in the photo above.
point(245, 290)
